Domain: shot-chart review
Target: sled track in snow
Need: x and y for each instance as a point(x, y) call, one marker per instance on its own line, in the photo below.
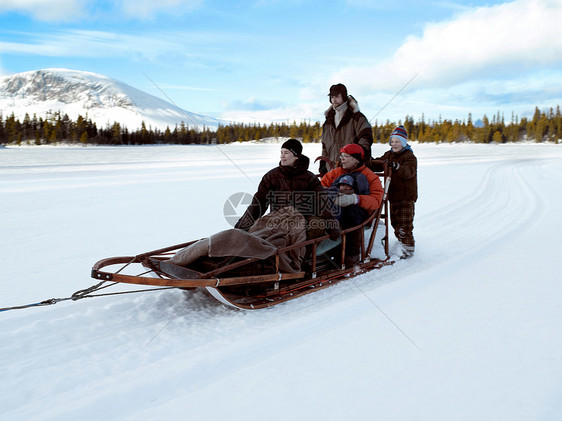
point(507, 202)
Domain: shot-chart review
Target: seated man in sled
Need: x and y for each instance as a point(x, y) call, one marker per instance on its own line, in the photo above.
point(291, 184)
point(295, 197)
point(356, 206)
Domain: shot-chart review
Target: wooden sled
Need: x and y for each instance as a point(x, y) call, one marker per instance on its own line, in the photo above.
point(251, 283)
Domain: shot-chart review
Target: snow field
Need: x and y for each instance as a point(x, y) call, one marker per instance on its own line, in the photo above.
point(468, 329)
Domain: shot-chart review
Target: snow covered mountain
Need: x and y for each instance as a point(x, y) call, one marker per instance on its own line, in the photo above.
point(102, 99)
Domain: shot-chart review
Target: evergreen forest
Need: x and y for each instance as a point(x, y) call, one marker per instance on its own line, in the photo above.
point(545, 125)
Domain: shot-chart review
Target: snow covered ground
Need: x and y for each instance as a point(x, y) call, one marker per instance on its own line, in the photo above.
point(468, 329)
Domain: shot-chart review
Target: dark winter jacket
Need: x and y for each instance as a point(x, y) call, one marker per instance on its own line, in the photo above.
point(404, 181)
point(286, 186)
point(353, 128)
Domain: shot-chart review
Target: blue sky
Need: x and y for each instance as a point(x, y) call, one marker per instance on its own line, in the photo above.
point(264, 60)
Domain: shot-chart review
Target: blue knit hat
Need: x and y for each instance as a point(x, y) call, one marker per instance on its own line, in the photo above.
point(347, 179)
point(401, 134)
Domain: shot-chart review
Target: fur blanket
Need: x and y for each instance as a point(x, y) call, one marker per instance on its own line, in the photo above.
point(278, 229)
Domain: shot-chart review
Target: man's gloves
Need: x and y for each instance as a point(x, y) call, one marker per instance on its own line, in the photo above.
point(394, 165)
point(344, 200)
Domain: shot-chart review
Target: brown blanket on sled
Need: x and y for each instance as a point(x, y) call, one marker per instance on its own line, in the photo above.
point(275, 230)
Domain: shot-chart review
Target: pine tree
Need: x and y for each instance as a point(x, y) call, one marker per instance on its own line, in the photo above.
point(3, 139)
point(26, 127)
point(497, 137)
point(558, 124)
point(294, 132)
point(541, 128)
point(116, 138)
point(13, 129)
point(168, 135)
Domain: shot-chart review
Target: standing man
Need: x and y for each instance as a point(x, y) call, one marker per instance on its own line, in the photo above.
point(344, 124)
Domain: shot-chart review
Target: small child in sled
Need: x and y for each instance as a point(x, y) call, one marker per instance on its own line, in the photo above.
point(346, 185)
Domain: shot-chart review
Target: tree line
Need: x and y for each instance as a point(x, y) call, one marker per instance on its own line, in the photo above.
point(545, 125)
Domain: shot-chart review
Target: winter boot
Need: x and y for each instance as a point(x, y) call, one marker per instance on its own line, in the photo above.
point(405, 251)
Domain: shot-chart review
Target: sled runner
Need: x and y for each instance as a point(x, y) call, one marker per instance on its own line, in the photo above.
point(254, 283)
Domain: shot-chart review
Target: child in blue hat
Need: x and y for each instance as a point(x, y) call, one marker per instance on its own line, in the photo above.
point(403, 190)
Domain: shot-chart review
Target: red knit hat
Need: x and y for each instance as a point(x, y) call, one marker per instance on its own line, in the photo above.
point(354, 150)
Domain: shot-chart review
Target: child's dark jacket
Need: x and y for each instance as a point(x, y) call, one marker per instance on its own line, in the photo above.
point(404, 183)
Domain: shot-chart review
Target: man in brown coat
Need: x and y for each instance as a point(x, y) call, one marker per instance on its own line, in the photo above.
point(344, 124)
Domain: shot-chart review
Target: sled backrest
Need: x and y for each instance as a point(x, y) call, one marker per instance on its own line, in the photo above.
point(373, 220)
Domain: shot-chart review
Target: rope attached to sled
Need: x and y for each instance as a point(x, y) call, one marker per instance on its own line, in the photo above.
point(83, 293)
point(86, 293)
point(39, 304)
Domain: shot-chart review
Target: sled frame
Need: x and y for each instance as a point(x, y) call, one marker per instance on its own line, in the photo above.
point(281, 286)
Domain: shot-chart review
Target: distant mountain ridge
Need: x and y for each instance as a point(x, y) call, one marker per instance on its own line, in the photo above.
point(104, 100)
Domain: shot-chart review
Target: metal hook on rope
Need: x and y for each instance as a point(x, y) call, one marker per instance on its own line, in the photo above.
point(48, 302)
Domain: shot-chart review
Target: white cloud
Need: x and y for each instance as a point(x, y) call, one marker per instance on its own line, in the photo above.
point(506, 57)
point(297, 113)
point(402, 5)
point(46, 10)
point(71, 10)
point(493, 41)
point(193, 47)
point(147, 9)
point(88, 44)
point(92, 44)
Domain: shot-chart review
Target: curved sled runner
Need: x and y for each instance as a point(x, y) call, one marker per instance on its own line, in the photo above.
point(252, 283)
